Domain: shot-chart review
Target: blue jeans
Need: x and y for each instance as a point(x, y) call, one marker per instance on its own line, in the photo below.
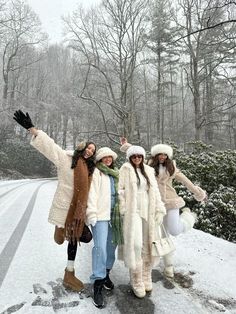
point(103, 253)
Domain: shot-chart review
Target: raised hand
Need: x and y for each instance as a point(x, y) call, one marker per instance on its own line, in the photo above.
point(23, 119)
point(123, 140)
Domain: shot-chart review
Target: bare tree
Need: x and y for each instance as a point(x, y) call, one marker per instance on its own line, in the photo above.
point(110, 40)
point(20, 30)
point(206, 50)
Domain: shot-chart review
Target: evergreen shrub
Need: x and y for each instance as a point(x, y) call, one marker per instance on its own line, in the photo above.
point(215, 172)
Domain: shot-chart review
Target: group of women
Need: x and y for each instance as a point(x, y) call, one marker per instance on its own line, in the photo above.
point(123, 207)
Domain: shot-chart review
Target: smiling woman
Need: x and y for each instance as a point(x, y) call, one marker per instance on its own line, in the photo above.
point(140, 205)
point(50, 13)
point(68, 209)
point(104, 217)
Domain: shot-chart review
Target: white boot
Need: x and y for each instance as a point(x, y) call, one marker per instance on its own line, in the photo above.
point(168, 264)
point(136, 281)
point(188, 219)
point(147, 274)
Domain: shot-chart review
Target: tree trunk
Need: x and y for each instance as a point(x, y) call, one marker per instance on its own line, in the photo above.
point(147, 109)
point(209, 105)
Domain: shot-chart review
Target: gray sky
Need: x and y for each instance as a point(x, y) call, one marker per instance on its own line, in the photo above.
point(50, 11)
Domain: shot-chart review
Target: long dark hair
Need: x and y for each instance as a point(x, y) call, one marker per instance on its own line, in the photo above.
point(79, 153)
point(142, 171)
point(168, 163)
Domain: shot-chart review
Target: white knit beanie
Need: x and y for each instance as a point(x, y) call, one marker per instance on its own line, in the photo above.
point(162, 149)
point(105, 152)
point(135, 150)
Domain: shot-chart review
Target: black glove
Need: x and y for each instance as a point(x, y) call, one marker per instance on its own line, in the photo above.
point(23, 119)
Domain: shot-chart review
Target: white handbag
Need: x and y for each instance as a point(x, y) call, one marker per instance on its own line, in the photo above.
point(163, 245)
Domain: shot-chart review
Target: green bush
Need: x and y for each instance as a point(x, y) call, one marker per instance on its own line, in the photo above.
point(215, 172)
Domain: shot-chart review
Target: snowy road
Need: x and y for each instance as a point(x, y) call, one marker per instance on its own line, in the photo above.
point(32, 266)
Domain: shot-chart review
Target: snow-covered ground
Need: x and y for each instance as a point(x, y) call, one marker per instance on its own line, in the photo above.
point(32, 266)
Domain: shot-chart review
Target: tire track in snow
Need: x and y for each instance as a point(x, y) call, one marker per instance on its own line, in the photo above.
point(20, 185)
point(16, 187)
point(9, 251)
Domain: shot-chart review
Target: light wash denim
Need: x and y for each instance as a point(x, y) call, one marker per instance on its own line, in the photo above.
point(103, 253)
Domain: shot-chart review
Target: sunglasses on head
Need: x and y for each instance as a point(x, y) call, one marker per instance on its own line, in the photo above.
point(136, 156)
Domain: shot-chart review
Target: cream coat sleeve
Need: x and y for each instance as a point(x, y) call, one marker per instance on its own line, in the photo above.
point(92, 203)
point(160, 210)
point(198, 193)
point(160, 205)
point(125, 147)
point(121, 191)
point(46, 146)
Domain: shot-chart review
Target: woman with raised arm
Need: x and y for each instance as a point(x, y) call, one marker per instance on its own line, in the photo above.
point(166, 171)
point(68, 209)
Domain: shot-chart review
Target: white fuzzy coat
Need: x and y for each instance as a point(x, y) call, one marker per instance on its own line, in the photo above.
point(99, 199)
point(128, 190)
point(62, 160)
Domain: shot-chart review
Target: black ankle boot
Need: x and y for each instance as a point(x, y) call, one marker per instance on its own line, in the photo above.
point(108, 284)
point(98, 296)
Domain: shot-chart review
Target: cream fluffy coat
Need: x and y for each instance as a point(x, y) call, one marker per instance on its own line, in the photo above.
point(128, 207)
point(65, 188)
point(168, 193)
point(99, 199)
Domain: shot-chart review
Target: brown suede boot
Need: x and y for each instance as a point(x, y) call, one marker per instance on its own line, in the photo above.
point(59, 235)
point(71, 282)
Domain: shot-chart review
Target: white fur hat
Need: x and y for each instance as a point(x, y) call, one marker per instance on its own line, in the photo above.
point(104, 152)
point(162, 149)
point(135, 150)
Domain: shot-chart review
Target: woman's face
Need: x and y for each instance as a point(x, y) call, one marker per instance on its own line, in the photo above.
point(137, 159)
point(107, 160)
point(162, 158)
point(89, 151)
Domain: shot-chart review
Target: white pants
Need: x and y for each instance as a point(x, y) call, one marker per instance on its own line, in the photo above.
point(141, 246)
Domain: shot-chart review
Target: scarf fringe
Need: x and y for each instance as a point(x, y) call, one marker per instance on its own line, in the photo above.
point(74, 230)
point(117, 226)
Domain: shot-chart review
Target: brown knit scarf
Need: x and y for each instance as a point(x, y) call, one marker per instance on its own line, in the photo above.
point(77, 212)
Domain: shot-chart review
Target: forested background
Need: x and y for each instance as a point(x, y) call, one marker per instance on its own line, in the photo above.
point(151, 70)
